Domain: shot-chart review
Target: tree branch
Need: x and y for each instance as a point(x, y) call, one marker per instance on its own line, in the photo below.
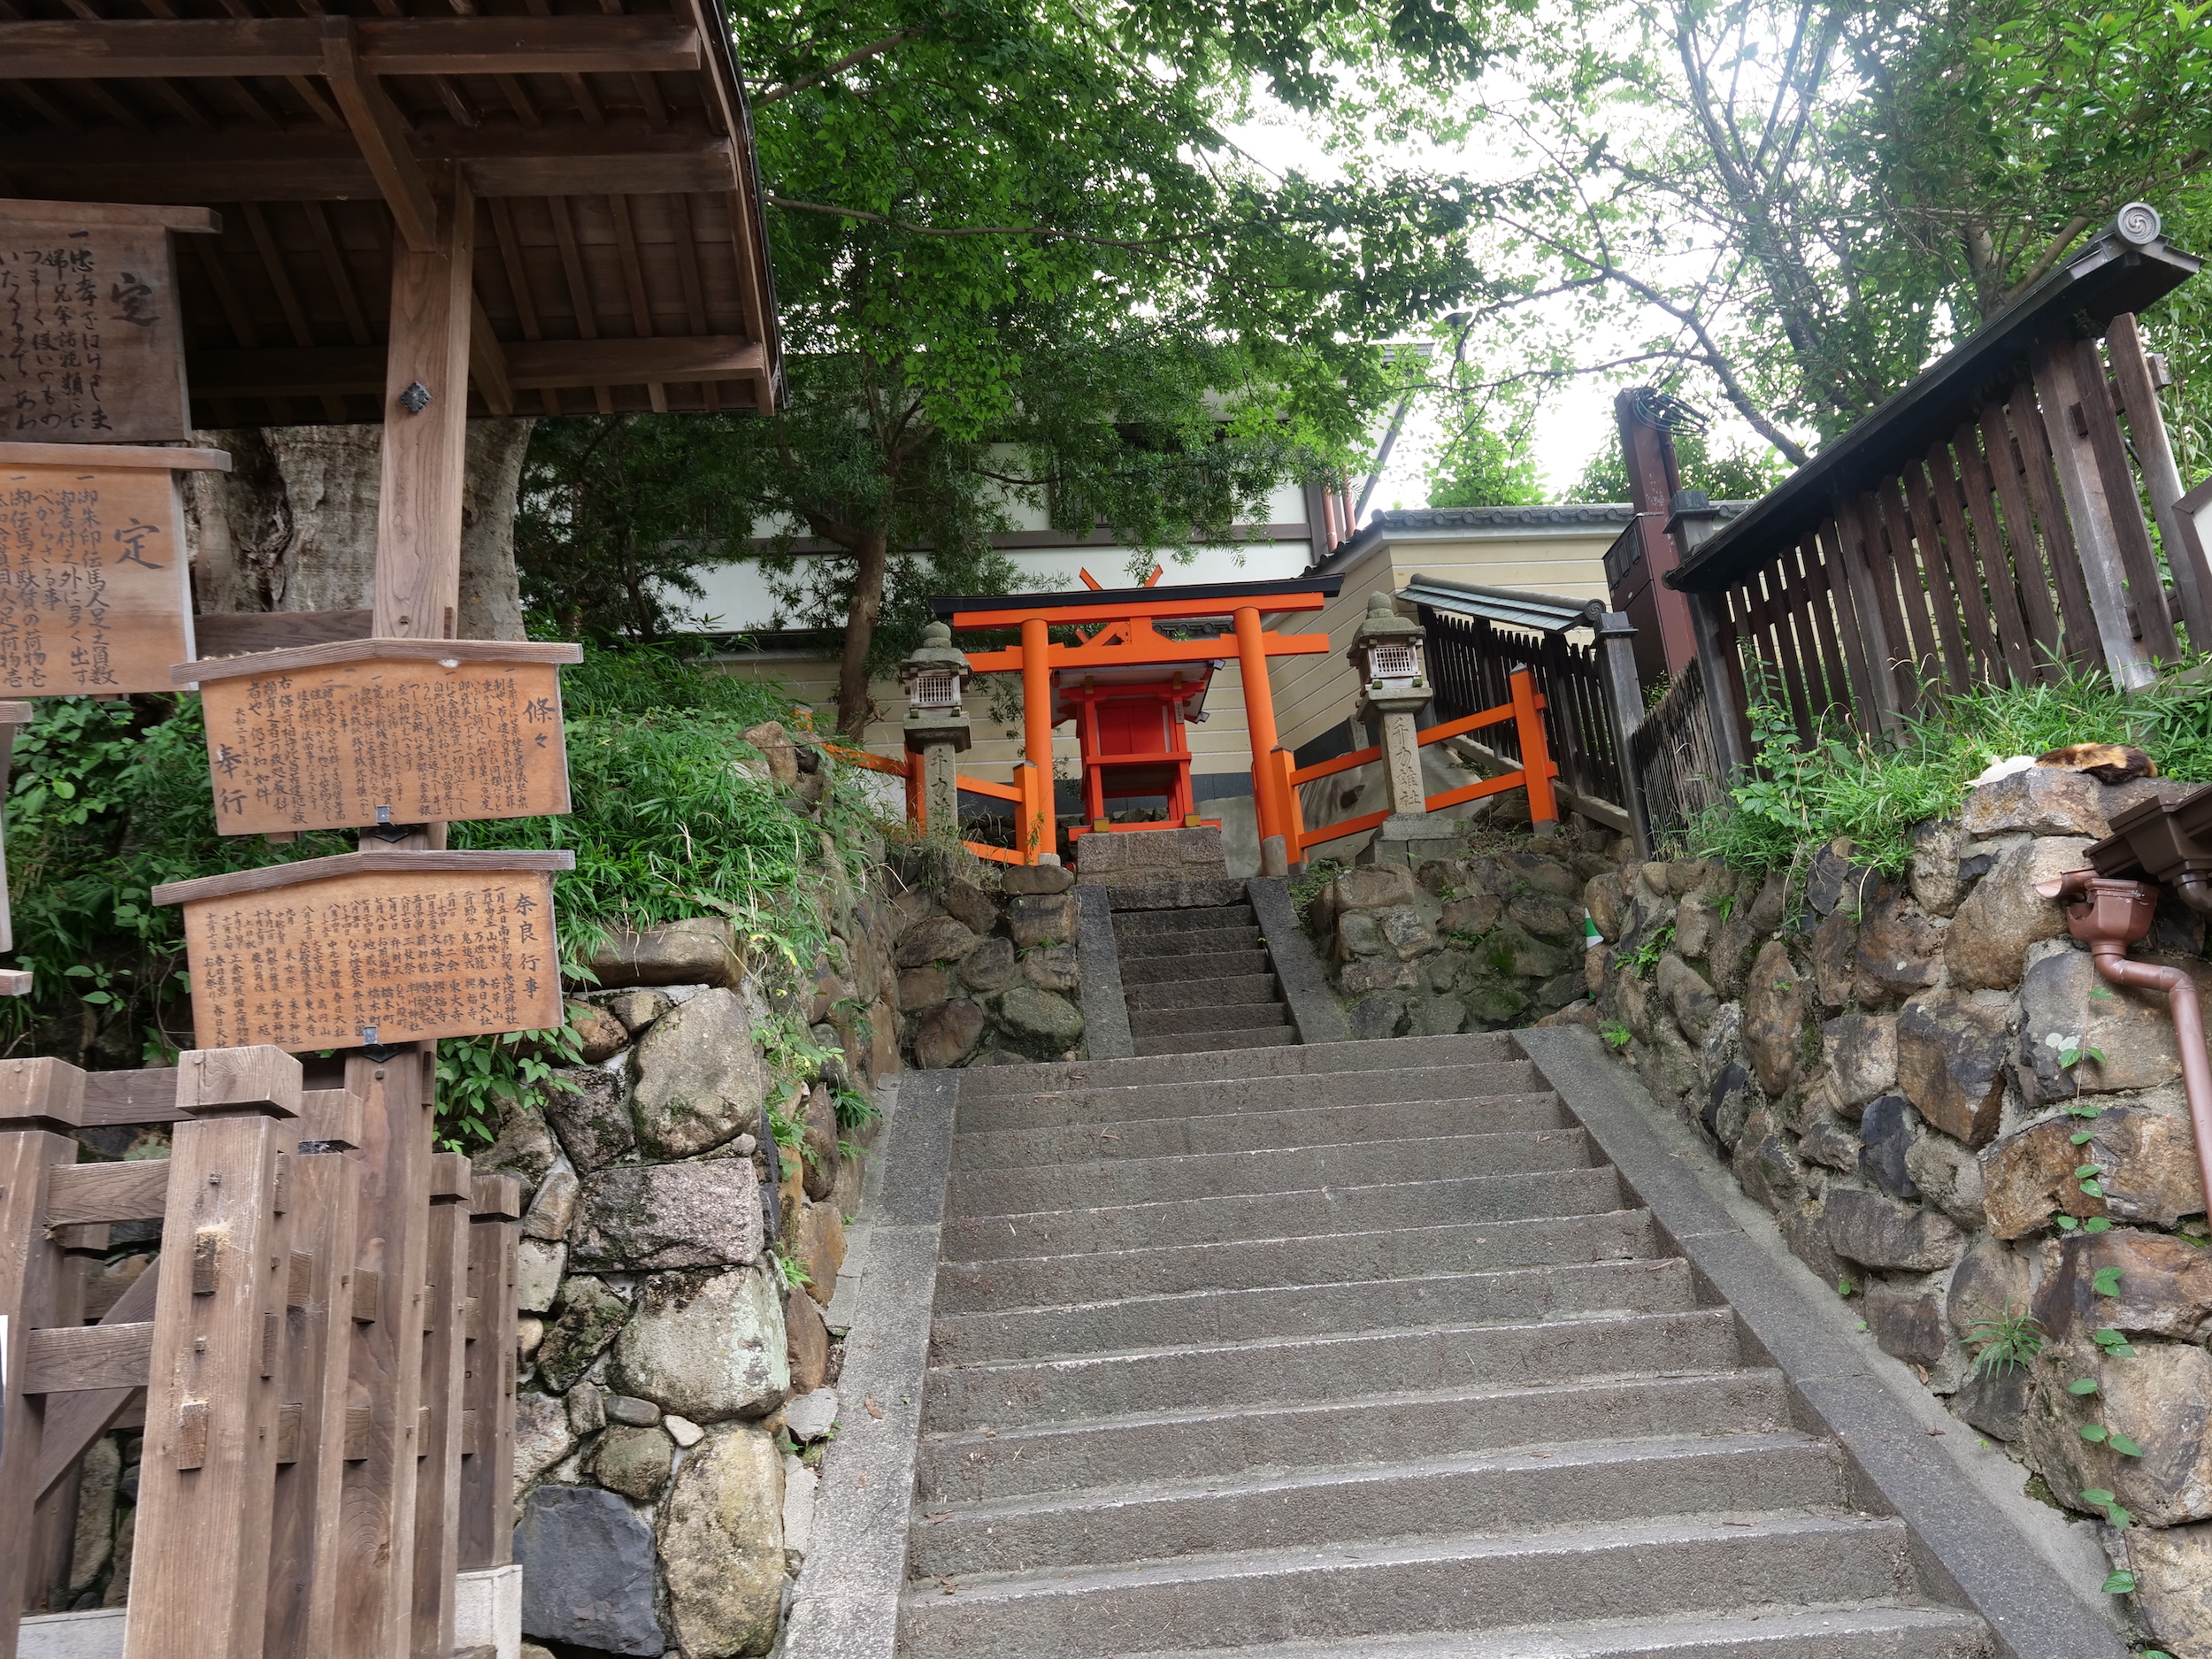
point(1046, 231)
point(770, 94)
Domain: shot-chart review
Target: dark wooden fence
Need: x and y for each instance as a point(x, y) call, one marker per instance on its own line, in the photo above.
point(1470, 663)
point(1672, 752)
point(1985, 526)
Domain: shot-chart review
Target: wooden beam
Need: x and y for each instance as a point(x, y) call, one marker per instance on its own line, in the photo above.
point(244, 165)
point(86, 1358)
point(2162, 477)
point(110, 215)
point(134, 1190)
point(530, 365)
point(189, 48)
point(76, 1420)
point(487, 362)
point(2096, 539)
point(418, 516)
point(381, 133)
point(234, 634)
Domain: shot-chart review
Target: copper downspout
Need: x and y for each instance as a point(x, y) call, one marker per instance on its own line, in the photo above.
point(2108, 916)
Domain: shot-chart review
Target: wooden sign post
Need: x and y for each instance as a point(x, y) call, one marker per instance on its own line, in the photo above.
point(91, 337)
point(373, 950)
point(96, 595)
point(381, 731)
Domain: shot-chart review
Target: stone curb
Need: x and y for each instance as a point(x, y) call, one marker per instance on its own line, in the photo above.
point(1313, 1006)
point(1098, 959)
point(847, 1602)
point(1962, 1544)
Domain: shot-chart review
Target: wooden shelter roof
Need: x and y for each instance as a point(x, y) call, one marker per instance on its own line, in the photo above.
point(620, 260)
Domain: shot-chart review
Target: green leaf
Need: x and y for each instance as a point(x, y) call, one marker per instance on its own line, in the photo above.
point(2120, 1582)
point(2106, 1281)
point(2084, 1386)
point(2097, 1495)
point(2096, 1433)
point(2089, 1170)
point(2125, 1447)
point(2094, 1189)
point(2064, 1224)
point(2097, 1224)
point(2082, 1138)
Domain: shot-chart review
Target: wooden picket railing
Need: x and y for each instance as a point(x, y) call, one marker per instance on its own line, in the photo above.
point(910, 768)
point(322, 1355)
point(1471, 661)
point(1524, 711)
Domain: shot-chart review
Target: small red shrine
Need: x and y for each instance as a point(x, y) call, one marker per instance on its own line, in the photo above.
point(1131, 689)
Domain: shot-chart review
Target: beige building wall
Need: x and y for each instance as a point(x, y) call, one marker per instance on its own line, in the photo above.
point(1544, 549)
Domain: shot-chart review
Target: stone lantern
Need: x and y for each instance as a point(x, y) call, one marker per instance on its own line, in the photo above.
point(1388, 656)
point(936, 680)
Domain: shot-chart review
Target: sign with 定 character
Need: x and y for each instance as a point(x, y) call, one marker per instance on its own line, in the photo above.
point(372, 948)
point(366, 732)
point(91, 344)
point(95, 592)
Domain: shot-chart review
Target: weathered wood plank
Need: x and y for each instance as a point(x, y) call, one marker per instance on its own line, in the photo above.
point(437, 1537)
point(136, 1191)
point(75, 1421)
point(69, 1359)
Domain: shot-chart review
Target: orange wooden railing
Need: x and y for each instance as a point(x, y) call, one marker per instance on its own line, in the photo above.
point(916, 805)
point(1536, 772)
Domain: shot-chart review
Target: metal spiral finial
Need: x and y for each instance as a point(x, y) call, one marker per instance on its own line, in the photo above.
point(2138, 223)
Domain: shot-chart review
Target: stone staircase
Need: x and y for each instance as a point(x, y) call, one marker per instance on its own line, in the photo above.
point(1199, 980)
point(1351, 1349)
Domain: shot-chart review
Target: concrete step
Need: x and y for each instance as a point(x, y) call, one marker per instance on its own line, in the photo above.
point(1147, 946)
point(1232, 1131)
point(1197, 893)
point(1197, 964)
point(1194, 1318)
point(1135, 924)
point(1627, 1571)
point(1239, 1094)
point(1426, 1496)
point(1884, 1630)
point(1318, 1258)
point(1246, 1217)
point(1310, 1168)
point(1231, 990)
point(1169, 1022)
point(1198, 1042)
point(1471, 1049)
point(1198, 1442)
point(1014, 1392)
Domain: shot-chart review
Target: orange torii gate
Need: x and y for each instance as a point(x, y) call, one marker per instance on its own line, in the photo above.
point(1130, 639)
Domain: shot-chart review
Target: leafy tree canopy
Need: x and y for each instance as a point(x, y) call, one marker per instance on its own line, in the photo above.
point(1737, 473)
point(1019, 268)
point(1483, 468)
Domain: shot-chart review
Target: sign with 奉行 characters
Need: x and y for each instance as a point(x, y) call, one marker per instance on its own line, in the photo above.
point(91, 341)
point(361, 733)
point(372, 949)
point(96, 591)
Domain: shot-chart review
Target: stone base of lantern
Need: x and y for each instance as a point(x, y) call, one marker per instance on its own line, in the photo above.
point(1405, 838)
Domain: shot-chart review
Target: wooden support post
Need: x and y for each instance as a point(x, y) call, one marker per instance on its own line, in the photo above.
point(1624, 709)
point(2162, 477)
point(54, 1523)
point(318, 1340)
point(1536, 762)
point(1037, 833)
point(200, 1570)
point(1693, 525)
point(419, 500)
point(438, 1484)
point(1259, 722)
point(487, 1460)
point(376, 1557)
point(2081, 485)
point(40, 1102)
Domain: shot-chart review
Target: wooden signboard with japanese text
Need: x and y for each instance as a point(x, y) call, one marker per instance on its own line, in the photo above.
point(96, 593)
point(369, 731)
point(91, 341)
point(372, 948)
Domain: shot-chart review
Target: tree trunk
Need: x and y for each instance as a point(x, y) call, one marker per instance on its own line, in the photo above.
point(292, 527)
point(872, 558)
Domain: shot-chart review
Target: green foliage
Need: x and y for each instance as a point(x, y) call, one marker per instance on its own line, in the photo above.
point(2098, 1497)
point(478, 1077)
point(1615, 1035)
point(2119, 1581)
point(1737, 473)
point(1873, 791)
point(2007, 1341)
point(1482, 468)
point(1638, 963)
point(1306, 888)
point(2114, 1343)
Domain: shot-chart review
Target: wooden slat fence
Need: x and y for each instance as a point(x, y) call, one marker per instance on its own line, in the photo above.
point(1672, 752)
point(1472, 662)
point(241, 1351)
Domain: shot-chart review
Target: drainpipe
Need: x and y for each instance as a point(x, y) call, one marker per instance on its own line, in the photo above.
point(2108, 916)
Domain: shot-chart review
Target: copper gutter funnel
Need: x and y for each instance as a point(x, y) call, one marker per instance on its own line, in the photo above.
point(2108, 916)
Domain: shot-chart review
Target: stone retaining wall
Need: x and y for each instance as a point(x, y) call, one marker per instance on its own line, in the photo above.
point(987, 965)
point(1957, 1123)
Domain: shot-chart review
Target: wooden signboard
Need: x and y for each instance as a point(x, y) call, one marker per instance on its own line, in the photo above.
point(96, 595)
point(370, 948)
point(367, 732)
point(91, 342)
